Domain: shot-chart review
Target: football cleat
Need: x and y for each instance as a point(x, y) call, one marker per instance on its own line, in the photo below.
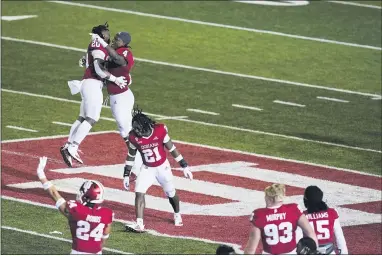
point(73, 153)
point(66, 156)
point(135, 227)
point(178, 220)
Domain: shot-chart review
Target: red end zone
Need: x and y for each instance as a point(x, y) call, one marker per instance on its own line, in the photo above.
point(19, 162)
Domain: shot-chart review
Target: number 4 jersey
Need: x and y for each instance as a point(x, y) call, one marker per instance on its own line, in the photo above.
point(87, 226)
point(278, 227)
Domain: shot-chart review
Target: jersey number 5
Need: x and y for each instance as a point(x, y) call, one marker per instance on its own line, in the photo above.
point(151, 155)
point(320, 229)
point(273, 236)
point(83, 229)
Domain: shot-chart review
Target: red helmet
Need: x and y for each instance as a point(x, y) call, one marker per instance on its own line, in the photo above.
point(91, 191)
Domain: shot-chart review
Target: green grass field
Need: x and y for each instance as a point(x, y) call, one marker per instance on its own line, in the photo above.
point(345, 135)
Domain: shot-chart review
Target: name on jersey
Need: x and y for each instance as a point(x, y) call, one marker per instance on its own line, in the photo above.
point(91, 218)
point(319, 215)
point(151, 145)
point(276, 216)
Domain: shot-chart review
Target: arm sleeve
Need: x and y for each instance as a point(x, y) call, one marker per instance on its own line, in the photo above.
point(340, 238)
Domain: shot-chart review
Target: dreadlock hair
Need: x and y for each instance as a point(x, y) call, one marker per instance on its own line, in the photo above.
point(98, 29)
point(313, 200)
point(144, 121)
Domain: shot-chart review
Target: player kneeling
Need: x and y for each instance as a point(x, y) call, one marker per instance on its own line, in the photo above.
point(90, 224)
point(324, 221)
point(276, 224)
point(151, 139)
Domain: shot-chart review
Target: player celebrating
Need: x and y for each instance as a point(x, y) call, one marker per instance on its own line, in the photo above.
point(91, 93)
point(151, 139)
point(90, 224)
point(324, 221)
point(276, 224)
point(121, 99)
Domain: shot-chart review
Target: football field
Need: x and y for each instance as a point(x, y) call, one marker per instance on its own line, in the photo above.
point(253, 94)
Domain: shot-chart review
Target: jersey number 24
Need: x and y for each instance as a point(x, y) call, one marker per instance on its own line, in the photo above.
point(83, 231)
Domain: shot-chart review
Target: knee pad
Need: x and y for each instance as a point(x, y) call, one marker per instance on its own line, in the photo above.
point(171, 193)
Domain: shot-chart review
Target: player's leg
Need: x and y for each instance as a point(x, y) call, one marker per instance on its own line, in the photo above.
point(144, 181)
point(92, 95)
point(165, 179)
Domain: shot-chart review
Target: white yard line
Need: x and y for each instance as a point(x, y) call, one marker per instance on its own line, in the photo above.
point(322, 40)
point(289, 103)
point(56, 238)
point(61, 123)
point(202, 111)
point(235, 128)
point(20, 128)
point(107, 119)
point(197, 145)
point(357, 4)
point(332, 99)
point(246, 107)
point(285, 82)
point(171, 117)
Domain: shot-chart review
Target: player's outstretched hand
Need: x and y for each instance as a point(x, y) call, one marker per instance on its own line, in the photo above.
point(41, 167)
point(187, 173)
point(121, 82)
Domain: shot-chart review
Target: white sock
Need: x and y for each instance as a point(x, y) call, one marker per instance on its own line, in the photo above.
point(140, 221)
point(177, 214)
point(73, 130)
point(82, 130)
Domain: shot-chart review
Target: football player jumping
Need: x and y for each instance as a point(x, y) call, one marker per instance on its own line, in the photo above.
point(276, 224)
point(151, 139)
point(91, 92)
point(324, 221)
point(90, 224)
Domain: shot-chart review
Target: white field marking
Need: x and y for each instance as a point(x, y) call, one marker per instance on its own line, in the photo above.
point(20, 128)
point(29, 155)
point(107, 119)
point(377, 98)
point(225, 126)
point(209, 147)
point(289, 103)
point(57, 238)
point(61, 123)
point(21, 17)
point(246, 107)
point(357, 4)
point(171, 117)
point(60, 99)
point(202, 111)
point(150, 231)
point(332, 99)
point(285, 82)
point(219, 25)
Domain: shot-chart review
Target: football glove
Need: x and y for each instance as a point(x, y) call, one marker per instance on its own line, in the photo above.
point(187, 173)
point(126, 182)
point(41, 167)
point(82, 62)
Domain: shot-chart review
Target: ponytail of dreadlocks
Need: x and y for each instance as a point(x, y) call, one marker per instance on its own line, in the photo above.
point(143, 120)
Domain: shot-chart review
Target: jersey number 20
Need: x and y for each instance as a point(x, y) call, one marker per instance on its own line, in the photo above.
point(272, 231)
point(151, 155)
point(83, 229)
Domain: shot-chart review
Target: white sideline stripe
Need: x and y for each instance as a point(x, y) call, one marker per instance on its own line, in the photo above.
point(332, 99)
point(209, 147)
point(171, 117)
point(322, 40)
point(202, 111)
point(246, 107)
point(203, 69)
point(225, 126)
point(357, 4)
point(20, 128)
point(61, 123)
point(56, 238)
point(150, 231)
point(288, 103)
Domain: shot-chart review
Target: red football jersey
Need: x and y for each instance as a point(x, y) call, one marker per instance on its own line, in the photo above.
point(278, 227)
point(117, 71)
point(152, 148)
point(90, 71)
point(323, 224)
point(87, 226)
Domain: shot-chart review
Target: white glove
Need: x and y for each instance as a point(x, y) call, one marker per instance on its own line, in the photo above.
point(99, 39)
point(187, 173)
point(120, 81)
point(82, 62)
point(41, 167)
point(126, 182)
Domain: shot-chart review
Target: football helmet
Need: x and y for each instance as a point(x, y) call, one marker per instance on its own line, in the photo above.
point(91, 191)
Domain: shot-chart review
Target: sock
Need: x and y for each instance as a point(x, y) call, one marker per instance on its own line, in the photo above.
point(73, 130)
point(82, 130)
point(140, 221)
point(176, 214)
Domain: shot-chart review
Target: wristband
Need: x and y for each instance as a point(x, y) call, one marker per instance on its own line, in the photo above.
point(47, 185)
point(178, 158)
point(112, 78)
point(172, 148)
point(60, 202)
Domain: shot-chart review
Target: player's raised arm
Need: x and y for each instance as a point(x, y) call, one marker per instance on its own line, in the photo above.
point(115, 57)
point(50, 188)
point(177, 156)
